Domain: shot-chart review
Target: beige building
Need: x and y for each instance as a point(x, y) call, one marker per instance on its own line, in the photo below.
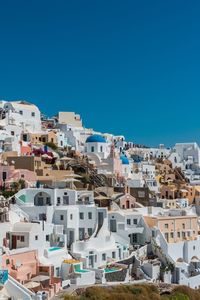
point(42, 138)
point(69, 118)
point(172, 191)
point(175, 228)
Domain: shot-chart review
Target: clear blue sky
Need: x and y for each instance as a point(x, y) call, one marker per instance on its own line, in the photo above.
point(128, 67)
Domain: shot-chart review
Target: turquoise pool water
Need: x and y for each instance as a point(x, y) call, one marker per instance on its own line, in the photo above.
point(110, 270)
point(81, 271)
point(54, 248)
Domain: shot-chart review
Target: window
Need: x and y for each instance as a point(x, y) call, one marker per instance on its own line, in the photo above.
point(58, 200)
point(47, 237)
point(61, 217)
point(36, 237)
point(113, 254)
point(183, 226)
point(166, 226)
point(33, 114)
point(12, 133)
point(21, 112)
point(135, 221)
point(48, 200)
point(81, 215)
point(179, 234)
point(90, 215)
point(166, 236)
point(128, 221)
point(71, 217)
point(104, 256)
point(57, 272)
point(172, 235)
point(101, 149)
point(92, 149)
point(22, 239)
point(89, 231)
point(193, 247)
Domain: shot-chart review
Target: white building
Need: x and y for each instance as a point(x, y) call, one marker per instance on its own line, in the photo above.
point(16, 118)
point(97, 144)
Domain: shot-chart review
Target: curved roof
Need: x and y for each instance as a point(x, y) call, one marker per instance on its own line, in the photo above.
point(96, 138)
point(124, 160)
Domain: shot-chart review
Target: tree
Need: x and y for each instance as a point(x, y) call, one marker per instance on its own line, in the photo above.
point(15, 186)
point(22, 184)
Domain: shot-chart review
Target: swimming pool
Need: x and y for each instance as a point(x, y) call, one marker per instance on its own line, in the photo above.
point(54, 249)
point(110, 270)
point(81, 271)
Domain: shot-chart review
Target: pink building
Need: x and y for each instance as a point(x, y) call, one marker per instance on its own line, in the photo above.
point(8, 174)
point(21, 266)
point(25, 267)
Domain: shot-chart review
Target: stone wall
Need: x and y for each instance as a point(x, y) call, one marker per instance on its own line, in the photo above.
point(116, 276)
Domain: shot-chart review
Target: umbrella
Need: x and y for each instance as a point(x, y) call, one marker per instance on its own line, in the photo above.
point(71, 180)
point(92, 162)
point(195, 259)
point(100, 197)
point(32, 284)
point(103, 164)
point(66, 158)
point(73, 175)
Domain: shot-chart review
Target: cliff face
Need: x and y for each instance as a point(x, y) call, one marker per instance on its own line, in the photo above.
point(136, 292)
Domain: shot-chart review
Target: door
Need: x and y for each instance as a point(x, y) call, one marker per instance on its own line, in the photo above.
point(66, 200)
point(113, 226)
point(100, 218)
point(71, 237)
point(91, 261)
point(14, 242)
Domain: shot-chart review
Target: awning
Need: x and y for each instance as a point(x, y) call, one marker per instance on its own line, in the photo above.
point(40, 278)
point(31, 284)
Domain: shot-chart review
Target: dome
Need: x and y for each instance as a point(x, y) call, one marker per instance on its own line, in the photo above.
point(124, 160)
point(96, 138)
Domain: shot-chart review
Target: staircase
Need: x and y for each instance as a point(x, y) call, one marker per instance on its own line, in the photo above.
point(17, 291)
point(95, 179)
point(15, 208)
point(98, 179)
